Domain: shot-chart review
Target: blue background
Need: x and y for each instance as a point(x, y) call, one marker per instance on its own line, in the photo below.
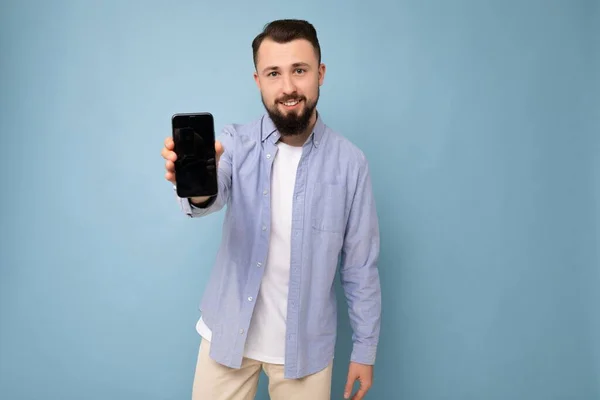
point(481, 121)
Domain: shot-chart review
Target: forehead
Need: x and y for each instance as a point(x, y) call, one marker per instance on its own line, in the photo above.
point(271, 53)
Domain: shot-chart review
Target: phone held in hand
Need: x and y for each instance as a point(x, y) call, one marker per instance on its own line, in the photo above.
point(195, 167)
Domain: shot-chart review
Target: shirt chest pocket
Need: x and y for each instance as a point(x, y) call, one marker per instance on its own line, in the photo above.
point(328, 208)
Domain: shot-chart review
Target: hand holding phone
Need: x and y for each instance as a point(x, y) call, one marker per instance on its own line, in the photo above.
point(191, 156)
point(168, 153)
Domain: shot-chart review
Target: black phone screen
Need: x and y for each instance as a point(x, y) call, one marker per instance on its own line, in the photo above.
point(195, 167)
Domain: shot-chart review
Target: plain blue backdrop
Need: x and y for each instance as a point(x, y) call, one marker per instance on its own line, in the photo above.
point(481, 123)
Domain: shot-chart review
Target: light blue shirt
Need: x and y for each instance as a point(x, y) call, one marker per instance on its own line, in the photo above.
point(334, 223)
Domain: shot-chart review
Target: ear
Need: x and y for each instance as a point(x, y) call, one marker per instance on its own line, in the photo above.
point(322, 70)
point(256, 79)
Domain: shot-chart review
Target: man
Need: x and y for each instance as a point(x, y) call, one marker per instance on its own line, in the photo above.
point(298, 196)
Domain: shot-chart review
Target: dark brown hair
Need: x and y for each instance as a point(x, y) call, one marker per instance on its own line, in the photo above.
point(286, 30)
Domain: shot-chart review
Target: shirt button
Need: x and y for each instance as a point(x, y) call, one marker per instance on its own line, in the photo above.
point(264, 228)
point(258, 265)
point(250, 298)
point(265, 192)
point(241, 331)
point(268, 156)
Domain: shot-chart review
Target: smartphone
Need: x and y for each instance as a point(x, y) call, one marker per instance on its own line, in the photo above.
point(195, 167)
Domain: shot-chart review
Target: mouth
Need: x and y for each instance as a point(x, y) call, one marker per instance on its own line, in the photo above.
point(290, 104)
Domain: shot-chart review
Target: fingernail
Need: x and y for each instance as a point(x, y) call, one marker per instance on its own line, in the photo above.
point(346, 395)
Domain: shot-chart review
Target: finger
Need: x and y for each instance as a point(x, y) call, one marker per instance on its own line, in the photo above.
point(348, 388)
point(170, 166)
point(170, 176)
point(219, 148)
point(168, 155)
point(362, 391)
point(169, 144)
point(360, 394)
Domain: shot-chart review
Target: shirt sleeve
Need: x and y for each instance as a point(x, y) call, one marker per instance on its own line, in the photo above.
point(359, 271)
point(224, 177)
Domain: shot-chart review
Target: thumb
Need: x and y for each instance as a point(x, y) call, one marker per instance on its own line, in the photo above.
point(218, 152)
point(219, 148)
point(349, 384)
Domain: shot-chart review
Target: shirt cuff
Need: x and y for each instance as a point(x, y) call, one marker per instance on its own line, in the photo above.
point(191, 210)
point(363, 354)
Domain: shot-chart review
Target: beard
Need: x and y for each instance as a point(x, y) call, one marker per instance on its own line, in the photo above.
point(293, 122)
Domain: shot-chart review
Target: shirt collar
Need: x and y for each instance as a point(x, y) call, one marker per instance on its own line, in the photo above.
point(270, 131)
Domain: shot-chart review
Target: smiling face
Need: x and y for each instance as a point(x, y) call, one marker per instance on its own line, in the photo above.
point(289, 76)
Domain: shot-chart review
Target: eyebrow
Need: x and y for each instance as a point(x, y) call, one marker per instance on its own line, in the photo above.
point(295, 65)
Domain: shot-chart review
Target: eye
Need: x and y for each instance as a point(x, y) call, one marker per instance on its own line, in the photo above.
point(272, 74)
point(300, 71)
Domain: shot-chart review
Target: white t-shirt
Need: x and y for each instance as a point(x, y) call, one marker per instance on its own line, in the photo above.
point(266, 335)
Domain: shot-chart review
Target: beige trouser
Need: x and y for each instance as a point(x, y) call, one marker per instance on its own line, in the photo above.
point(214, 381)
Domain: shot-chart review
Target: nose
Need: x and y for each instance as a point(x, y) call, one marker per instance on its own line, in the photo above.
point(288, 85)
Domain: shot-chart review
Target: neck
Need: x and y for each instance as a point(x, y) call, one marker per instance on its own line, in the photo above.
point(300, 139)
